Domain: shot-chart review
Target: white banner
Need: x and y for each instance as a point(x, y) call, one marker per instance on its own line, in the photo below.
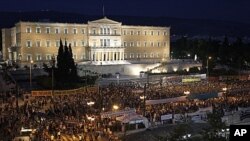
point(166, 117)
point(168, 100)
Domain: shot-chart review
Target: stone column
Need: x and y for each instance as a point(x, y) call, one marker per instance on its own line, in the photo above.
point(113, 53)
point(120, 55)
point(91, 56)
point(102, 55)
point(95, 56)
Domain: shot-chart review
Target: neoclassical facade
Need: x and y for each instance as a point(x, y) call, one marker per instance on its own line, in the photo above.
point(102, 41)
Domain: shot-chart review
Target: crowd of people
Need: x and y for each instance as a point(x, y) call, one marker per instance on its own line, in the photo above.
point(76, 116)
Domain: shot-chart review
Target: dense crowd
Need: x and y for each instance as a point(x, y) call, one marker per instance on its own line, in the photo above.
point(73, 115)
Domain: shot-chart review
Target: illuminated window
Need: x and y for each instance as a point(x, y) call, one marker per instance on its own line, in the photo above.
point(28, 43)
point(57, 30)
point(75, 56)
point(152, 32)
point(28, 30)
point(57, 43)
point(38, 43)
point(152, 44)
point(48, 56)
point(125, 55)
point(138, 43)
point(75, 44)
point(74, 31)
point(38, 57)
point(83, 43)
point(108, 31)
point(47, 43)
point(131, 55)
point(65, 30)
point(47, 30)
point(125, 44)
point(29, 57)
point(38, 30)
point(83, 31)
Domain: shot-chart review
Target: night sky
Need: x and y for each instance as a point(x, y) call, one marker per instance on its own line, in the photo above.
point(232, 10)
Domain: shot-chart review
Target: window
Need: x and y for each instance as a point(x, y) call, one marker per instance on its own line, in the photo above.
point(145, 32)
point(145, 44)
point(115, 32)
point(157, 55)
point(28, 43)
point(125, 44)
point(57, 43)
point(48, 57)
point(93, 31)
point(83, 43)
point(108, 30)
point(165, 44)
point(124, 32)
point(83, 31)
point(152, 44)
point(131, 44)
point(75, 44)
point(83, 56)
point(158, 33)
point(47, 30)
point(138, 32)
point(145, 55)
point(138, 43)
point(101, 42)
point(57, 30)
point(138, 55)
point(125, 55)
point(38, 30)
point(74, 31)
point(94, 44)
point(131, 55)
point(158, 44)
point(165, 33)
point(28, 30)
point(47, 43)
point(65, 30)
point(108, 42)
point(38, 57)
point(29, 57)
point(131, 32)
point(152, 32)
point(152, 55)
point(38, 43)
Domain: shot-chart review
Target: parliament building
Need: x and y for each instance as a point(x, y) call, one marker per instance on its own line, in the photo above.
point(98, 42)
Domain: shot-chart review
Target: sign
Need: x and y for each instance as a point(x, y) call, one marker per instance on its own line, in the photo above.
point(239, 132)
point(187, 80)
point(166, 117)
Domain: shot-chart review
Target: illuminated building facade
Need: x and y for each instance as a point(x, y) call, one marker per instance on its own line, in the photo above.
point(102, 41)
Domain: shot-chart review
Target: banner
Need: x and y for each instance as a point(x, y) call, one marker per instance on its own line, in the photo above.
point(168, 100)
point(166, 117)
point(82, 90)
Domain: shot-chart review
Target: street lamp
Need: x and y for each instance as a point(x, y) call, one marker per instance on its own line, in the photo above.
point(52, 74)
point(115, 107)
point(208, 58)
point(31, 62)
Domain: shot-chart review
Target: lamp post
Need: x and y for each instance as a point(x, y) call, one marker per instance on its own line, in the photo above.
point(52, 74)
point(31, 62)
point(208, 58)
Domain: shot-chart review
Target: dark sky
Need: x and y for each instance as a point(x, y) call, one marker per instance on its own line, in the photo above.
point(233, 10)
